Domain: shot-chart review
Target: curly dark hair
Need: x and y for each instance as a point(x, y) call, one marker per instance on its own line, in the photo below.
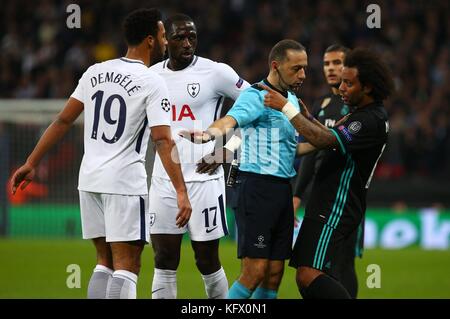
point(372, 72)
point(139, 24)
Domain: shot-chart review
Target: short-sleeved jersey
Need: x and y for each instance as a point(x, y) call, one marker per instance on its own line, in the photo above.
point(345, 173)
point(121, 98)
point(197, 94)
point(268, 139)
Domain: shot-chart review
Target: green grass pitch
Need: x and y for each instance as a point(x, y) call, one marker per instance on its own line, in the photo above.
point(37, 269)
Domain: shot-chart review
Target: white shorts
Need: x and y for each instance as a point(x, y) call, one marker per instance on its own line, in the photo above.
point(208, 219)
point(116, 217)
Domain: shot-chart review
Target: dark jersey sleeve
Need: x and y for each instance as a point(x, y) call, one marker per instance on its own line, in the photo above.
point(359, 131)
point(305, 174)
point(315, 109)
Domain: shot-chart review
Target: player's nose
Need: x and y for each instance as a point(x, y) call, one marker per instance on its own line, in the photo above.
point(301, 74)
point(187, 43)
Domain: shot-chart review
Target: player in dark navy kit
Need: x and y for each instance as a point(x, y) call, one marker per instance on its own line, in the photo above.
point(353, 147)
point(328, 110)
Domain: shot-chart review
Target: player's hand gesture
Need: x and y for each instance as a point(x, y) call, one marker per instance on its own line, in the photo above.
point(24, 174)
point(196, 136)
point(304, 110)
point(211, 162)
point(342, 120)
point(184, 209)
point(273, 98)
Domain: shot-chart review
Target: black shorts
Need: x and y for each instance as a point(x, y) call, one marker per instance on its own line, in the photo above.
point(359, 245)
point(264, 217)
point(352, 247)
point(321, 246)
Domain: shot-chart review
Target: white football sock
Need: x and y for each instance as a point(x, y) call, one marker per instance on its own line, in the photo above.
point(216, 284)
point(98, 284)
point(123, 285)
point(164, 285)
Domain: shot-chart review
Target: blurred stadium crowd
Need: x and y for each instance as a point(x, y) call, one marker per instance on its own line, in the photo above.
point(41, 58)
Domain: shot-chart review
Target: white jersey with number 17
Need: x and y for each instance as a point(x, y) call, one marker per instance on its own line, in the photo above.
point(197, 94)
point(122, 98)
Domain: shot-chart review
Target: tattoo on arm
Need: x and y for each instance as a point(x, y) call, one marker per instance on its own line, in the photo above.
point(315, 121)
point(159, 143)
point(319, 136)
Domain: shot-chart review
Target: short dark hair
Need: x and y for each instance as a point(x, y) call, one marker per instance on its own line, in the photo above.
point(176, 18)
point(278, 52)
point(139, 24)
point(372, 71)
point(337, 48)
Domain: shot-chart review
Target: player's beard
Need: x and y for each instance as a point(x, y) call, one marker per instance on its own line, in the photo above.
point(355, 100)
point(156, 55)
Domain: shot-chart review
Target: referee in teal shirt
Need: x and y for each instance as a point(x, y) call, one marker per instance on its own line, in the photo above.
point(268, 138)
point(264, 213)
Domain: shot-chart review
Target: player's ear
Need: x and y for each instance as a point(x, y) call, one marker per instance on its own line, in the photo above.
point(150, 40)
point(367, 89)
point(274, 64)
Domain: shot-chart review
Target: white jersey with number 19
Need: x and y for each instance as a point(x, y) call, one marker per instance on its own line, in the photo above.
point(121, 97)
point(197, 93)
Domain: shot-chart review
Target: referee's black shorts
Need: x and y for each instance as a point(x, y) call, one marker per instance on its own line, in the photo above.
point(264, 217)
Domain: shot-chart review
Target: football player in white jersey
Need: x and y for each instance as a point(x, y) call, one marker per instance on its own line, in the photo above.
point(198, 87)
point(120, 99)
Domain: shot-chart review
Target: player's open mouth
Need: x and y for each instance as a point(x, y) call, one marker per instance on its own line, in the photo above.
point(186, 54)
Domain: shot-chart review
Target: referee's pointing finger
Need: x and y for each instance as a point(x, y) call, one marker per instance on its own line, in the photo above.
point(265, 87)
